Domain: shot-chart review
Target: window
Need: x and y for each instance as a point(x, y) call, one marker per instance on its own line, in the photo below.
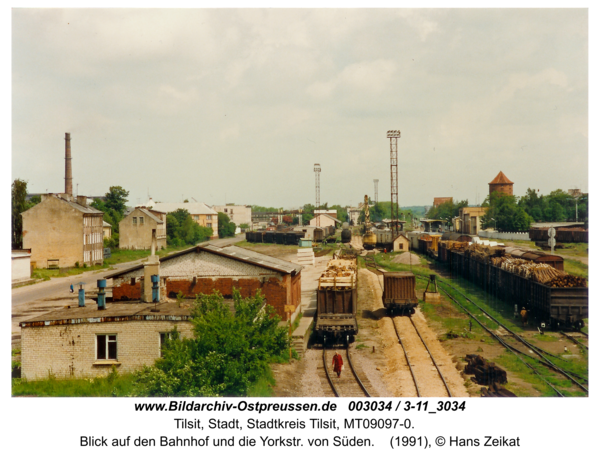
point(141, 220)
point(195, 217)
point(209, 225)
point(135, 220)
point(209, 217)
point(106, 346)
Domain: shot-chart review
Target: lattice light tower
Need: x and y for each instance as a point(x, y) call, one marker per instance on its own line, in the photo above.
point(394, 135)
point(376, 181)
point(317, 192)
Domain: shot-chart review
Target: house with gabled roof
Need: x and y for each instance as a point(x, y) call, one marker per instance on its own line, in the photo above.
point(63, 230)
point(135, 229)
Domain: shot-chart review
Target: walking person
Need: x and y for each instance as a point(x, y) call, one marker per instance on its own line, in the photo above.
point(524, 317)
point(72, 291)
point(338, 364)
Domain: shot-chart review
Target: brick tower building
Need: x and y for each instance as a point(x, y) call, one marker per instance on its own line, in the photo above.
point(501, 185)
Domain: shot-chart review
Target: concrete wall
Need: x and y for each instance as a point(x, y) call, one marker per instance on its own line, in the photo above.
point(504, 235)
point(53, 229)
point(70, 350)
point(21, 267)
point(136, 236)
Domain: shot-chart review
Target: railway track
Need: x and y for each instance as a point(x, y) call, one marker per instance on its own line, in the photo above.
point(348, 384)
point(413, 351)
point(444, 287)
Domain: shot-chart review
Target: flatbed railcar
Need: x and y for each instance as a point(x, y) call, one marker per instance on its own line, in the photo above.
point(399, 296)
point(337, 301)
point(547, 306)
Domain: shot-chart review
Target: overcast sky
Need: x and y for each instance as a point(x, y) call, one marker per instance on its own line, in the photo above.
point(237, 105)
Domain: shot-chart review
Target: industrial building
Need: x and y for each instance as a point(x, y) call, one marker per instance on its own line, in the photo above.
point(135, 229)
point(208, 269)
point(325, 220)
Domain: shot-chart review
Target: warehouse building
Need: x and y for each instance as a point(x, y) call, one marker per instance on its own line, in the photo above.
point(206, 269)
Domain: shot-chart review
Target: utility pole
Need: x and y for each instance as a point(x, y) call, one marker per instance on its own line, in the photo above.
point(376, 181)
point(394, 135)
point(318, 192)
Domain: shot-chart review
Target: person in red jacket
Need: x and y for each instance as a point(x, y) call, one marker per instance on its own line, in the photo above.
point(338, 363)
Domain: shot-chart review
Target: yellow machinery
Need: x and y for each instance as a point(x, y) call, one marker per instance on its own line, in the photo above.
point(369, 239)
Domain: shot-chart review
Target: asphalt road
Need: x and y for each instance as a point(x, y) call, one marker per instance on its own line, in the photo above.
point(59, 287)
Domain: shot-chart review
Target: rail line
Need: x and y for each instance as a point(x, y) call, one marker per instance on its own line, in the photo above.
point(574, 340)
point(347, 386)
point(538, 351)
point(426, 349)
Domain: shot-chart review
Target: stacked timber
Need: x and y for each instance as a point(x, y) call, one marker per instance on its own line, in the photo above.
point(484, 253)
point(455, 246)
point(539, 272)
point(485, 372)
point(340, 274)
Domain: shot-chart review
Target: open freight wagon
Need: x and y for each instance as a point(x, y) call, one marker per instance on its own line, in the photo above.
point(337, 301)
point(547, 306)
point(399, 295)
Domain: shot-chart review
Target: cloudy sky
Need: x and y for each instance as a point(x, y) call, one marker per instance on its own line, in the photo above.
point(237, 105)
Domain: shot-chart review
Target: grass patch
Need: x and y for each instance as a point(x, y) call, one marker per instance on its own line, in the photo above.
point(112, 385)
point(576, 267)
point(117, 257)
point(546, 338)
point(360, 346)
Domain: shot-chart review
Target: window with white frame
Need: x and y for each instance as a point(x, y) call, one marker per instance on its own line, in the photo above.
point(209, 217)
point(135, 220)
point(106, 346)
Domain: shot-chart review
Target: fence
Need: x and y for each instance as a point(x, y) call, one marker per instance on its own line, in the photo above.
point(504, 235)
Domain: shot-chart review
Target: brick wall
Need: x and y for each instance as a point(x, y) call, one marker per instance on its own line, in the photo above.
point(70, 350)
point(204, 273)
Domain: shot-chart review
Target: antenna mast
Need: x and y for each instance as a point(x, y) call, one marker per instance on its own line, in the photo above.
point(318, 192)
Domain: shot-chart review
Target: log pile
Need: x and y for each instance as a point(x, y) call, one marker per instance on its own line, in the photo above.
point(485, 372)
point(485, 253)
point(538, 272)
point(340, 274)
point(456, 246)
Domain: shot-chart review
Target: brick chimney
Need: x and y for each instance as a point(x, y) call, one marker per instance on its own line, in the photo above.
point(68, 171)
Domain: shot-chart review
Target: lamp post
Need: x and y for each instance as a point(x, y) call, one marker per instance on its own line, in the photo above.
point(492, 219)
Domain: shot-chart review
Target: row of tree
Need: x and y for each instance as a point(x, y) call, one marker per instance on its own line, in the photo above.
point(515, 214)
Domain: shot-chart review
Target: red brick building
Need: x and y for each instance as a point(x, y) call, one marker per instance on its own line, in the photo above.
point(501, 185)
point(206, 269)
point(440, 200)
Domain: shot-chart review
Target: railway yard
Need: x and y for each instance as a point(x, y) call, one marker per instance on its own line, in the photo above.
point(429, 353)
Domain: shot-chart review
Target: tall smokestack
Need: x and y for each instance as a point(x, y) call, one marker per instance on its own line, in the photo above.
point(68, 172)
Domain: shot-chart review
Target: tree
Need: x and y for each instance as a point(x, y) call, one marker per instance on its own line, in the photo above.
point(116, 199)
point(19, 205)
point(509, 217)
point(183, 230)
point(287, 220)
point(228, 354)
point(226, 227)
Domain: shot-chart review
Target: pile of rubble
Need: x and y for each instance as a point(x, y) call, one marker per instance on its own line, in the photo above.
point(487, 373)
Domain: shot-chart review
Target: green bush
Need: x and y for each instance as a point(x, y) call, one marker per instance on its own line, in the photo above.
point(228, 355)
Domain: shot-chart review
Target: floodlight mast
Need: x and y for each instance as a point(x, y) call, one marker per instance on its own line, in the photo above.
point(394, 135)
point(376, 181)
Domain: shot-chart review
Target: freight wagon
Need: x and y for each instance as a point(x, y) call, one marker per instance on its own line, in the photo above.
point(399, 295)
point(546, 305)
point(563, 234)
point(337, 301)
